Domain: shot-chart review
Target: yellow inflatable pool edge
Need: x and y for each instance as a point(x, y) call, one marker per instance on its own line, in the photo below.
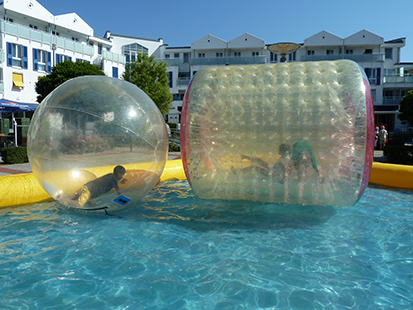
point(21, 189)
point(392, 175)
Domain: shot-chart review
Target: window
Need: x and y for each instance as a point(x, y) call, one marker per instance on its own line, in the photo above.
point(391, 72)
point(255, 54)
point(368, 51)
point(186, 58)
point(237, 54)
point(18, 80)
point(176, 55)
point(167, 56)
point(273, 57)
point(42, 60)
point(389, 53)
point(292, 56)
point(349, 52)
point(100, 48)
point(310, 52)
point(330, 52)
point(170, 75)
point(374, 75)
point(131, 51)
point(82, 60)
point(219, 54)
point(115, 72)
point(201, 55)
point(62, 58)
point(16, 55)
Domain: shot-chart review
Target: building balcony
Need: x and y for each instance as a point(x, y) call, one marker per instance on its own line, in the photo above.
point(226, 61)
point(356, 58)
point(183, 81)
point(113, 57)
point(397, 79)
point(170, 61)
point(394, 100)
point(28, 33)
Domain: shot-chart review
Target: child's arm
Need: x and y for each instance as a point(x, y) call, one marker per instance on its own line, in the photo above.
point(69, 201)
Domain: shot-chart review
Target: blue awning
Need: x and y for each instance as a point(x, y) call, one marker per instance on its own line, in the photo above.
point(11, 106)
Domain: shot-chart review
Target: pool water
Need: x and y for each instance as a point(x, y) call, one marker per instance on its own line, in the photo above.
point(176, 251)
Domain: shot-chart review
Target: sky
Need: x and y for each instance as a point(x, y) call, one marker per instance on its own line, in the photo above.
point(181, 22)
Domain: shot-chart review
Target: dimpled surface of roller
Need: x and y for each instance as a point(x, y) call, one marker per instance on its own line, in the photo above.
point(289, 133)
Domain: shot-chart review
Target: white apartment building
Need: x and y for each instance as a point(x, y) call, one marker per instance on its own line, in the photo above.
point(389, 78)
point(33, 40)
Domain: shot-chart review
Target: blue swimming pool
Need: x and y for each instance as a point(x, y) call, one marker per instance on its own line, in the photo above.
point(176, 251)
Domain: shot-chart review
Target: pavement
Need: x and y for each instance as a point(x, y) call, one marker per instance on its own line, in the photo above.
point(26, 168)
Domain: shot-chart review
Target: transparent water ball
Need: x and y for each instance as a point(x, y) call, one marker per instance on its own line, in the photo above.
point(88, 126)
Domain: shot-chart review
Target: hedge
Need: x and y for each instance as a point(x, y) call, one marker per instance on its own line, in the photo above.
point(14, 155)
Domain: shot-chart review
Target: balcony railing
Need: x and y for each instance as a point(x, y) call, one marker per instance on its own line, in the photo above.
point(397, 79)
point(184, 81)
point(392, 100)
point(356, 58)
point(170, 61)
point(25, 32)
point(228, 61)
point(74, 46)
point(113, 57)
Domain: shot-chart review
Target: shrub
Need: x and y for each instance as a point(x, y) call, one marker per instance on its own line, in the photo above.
point(397, 153)
point(6, 126)
point(174, 147)
point(172, 125)
point(14, 155)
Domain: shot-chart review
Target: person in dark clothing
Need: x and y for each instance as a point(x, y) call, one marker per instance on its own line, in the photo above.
point(98, 187)
point(303, 157)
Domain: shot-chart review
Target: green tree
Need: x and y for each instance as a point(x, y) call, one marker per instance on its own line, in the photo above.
point(61, 73)
point(150, 76)
point(406, 108)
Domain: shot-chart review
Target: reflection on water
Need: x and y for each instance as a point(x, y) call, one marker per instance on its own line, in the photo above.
point(176, 251)
point(171, 204)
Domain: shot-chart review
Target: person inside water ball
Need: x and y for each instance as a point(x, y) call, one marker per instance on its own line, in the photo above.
point(97, 187)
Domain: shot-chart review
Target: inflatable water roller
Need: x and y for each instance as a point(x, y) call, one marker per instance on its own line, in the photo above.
point(297, 133)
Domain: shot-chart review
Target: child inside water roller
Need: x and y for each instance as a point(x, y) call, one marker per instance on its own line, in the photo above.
point(283, 162)
point(300, 156)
